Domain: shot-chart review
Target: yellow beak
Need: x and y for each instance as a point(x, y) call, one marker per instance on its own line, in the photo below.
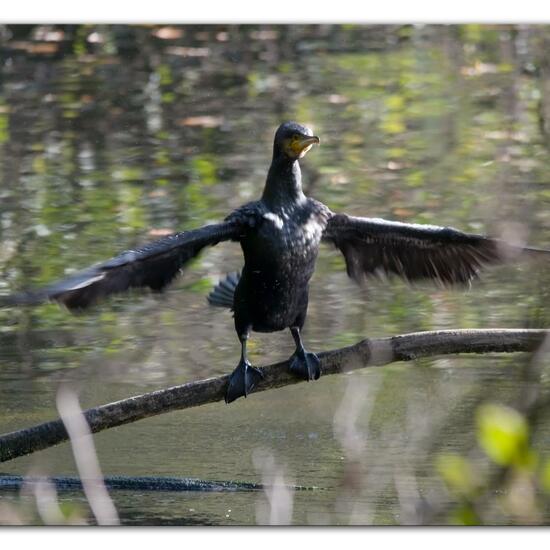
point(303, 144)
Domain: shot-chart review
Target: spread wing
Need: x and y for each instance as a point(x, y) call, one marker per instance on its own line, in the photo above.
point(154, 265)
point(375, 246)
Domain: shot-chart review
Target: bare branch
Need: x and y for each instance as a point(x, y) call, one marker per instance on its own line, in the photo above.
point(367, 353)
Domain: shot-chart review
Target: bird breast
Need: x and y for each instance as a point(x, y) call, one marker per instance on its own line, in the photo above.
point(291, 235)
point(280, 254)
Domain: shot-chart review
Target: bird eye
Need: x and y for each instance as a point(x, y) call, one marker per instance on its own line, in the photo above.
point(295, 137)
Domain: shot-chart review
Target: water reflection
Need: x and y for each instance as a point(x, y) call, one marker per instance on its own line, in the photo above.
point(114, 135)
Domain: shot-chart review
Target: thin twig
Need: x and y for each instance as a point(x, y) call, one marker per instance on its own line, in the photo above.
point(85, 458)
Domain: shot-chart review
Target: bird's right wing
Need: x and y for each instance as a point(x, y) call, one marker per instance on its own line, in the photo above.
point(153, 265)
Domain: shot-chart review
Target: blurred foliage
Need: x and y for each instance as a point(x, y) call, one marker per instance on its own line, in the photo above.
point(503, 434)
point(512, 487)
point(28, 510)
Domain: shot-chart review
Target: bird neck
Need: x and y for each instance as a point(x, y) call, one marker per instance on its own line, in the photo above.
point(284, 183)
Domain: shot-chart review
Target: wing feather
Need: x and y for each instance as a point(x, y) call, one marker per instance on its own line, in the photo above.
point(413, 251)
point(154, 265)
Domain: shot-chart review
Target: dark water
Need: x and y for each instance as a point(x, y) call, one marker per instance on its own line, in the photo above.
point(110, 136)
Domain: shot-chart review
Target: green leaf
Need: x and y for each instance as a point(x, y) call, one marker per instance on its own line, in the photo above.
point(457, 473)
point(503, 434)
point(464, 515)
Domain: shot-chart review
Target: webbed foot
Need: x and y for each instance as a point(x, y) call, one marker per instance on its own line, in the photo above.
point(305, 364)
point(242, 380)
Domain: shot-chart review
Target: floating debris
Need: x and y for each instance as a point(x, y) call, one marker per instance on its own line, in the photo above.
point(204, 121)
point(168, 33)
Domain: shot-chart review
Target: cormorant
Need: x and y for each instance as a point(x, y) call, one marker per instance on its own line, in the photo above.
point(280, 236)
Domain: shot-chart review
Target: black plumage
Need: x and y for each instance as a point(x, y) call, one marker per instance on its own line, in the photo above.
point(373, 246)
point(280, 235)
point(223, 293)
point(154, 265)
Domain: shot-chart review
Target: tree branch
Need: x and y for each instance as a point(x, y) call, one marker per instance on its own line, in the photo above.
point(367, 353)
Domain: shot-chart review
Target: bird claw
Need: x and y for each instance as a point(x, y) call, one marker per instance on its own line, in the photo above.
point(242, 381)
point(306, 365)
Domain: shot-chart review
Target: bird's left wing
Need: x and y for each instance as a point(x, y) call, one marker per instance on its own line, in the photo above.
point(154, 265)
point(413, 251)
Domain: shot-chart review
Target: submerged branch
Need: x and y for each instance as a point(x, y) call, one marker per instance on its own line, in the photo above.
point(367, 353)
point(140, 483)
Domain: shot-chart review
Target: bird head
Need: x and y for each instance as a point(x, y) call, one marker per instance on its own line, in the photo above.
point(293, 141)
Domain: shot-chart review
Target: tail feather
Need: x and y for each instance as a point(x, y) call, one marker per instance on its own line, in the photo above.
point(222, 294)
point(228, 296)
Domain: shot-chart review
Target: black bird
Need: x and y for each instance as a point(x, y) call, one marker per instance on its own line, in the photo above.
point(280, 236)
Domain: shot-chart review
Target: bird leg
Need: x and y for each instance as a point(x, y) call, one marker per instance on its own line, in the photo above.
point(244, 377)
point(303, 363)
